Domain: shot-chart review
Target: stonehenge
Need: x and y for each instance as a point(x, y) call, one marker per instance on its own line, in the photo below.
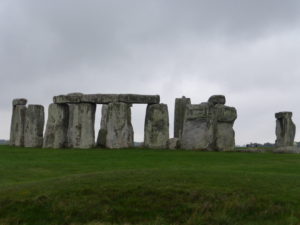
point(209, 125)
point(180, 108)
point(285, 129)
point(34, 126)
point(156, 126)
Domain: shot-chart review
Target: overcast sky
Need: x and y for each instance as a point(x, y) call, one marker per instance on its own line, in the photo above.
point(248, 50)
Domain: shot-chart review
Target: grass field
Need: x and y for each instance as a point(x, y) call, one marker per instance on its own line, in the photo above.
point(147, 187)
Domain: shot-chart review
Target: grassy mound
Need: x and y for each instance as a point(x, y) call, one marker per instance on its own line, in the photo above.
point(134, 186)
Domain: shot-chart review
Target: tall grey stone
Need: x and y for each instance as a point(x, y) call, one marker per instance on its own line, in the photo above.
point(57, 126)
point(81, 133)
point(198, 129)
point(209, 126)
point(101, 140)
point(119, 128)
point(156, 133)
point(34, 126)
point(180, 108)
point(18, 122)
point(285, 129)
point(224, 133)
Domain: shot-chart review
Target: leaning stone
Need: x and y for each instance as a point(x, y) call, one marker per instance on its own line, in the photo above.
point(198, 129)
point(180, 108)
point(34, 126)
point(81, 133)
point(19, 101)
point(156, 132)
point(217, 99)
point(57, 126)
point(18, 125)
point(285, 129)
point(101, 140)
point(173, 143)
point(119, 128)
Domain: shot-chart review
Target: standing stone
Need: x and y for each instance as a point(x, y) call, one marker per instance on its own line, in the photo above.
point(34, 126)
point(18, 122)
point(156, 133)
point(209, 126)
point(57, 126)
point(119, 132)
point(198, 129)
point(224, 133)
point(173, 143)
point(180, 108)
point(285, 129)
point(81, 133)
point(101, 140)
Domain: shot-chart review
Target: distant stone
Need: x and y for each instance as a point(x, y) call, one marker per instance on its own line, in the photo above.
point(34, 126)
point(173, 143)
point(19, 101)
point(217, 99)
point(57, 126)
point(285, 129)
point(17, 125)
point(119, 128)
point(101, 140)
point(156, 133)
point(81, 133)
point(180, 108)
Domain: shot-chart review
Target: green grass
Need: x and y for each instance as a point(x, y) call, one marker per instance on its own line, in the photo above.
point(147, 187)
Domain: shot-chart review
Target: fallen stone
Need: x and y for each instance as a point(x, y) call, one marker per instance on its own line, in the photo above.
point(81, 133)
point(34, 126)
point(119, 128)
point(156, 133)
point(180, 108)
point(57, 126)
point(285, 129)
point(17, 125)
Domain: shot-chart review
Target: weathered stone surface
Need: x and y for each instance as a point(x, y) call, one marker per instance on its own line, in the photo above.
point(198, 129)
point(57, 126)
point(81, 133)
point(173, 143)
point(209, 126)
point(119, 128)
point(107, 98)
point(34, 126)
point(180, 108)
point(217, 99)
point(101, 140)
point(19, 101)
point(287, 149)
point(285, 129)
point(17, 125)
point(156, 133)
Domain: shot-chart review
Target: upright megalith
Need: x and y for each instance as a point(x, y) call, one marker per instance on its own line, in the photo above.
point(18, 122)
point(209, 125)
point(180, 108)
point(81, 133)
point(101, 140)
point(57, 126)
point(156, 133)
point(34, 126)
point(119, 130)
point(285, 129)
